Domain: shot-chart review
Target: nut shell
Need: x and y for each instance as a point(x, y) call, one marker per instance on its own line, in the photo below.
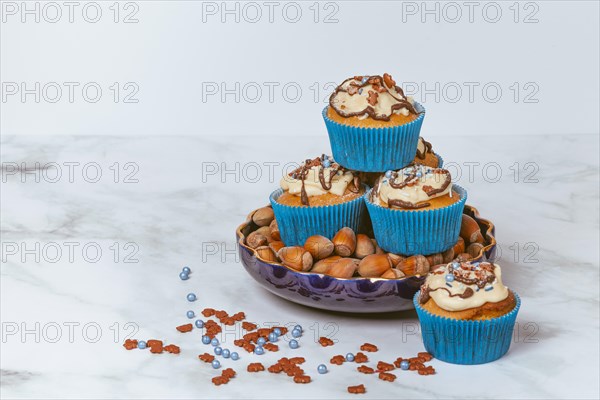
point(296, 257)
point(263, 216)
point(395, 259)
point(276, 245)
point(266, 232)
point(266, 254)
point(344, 242)
point(459, 247)
point(474, 249)
point(323, 266)
point(448, 255)
point(319, 247)
point(274, 228)
point(344, 268)
point(256, 239)
point(393, 273)
point(435, 259)
point(374, 265)
point(414, 265)
point(364, 246)
point(470, 231)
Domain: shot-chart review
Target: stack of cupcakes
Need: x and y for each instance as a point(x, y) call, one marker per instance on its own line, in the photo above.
point(382, 166)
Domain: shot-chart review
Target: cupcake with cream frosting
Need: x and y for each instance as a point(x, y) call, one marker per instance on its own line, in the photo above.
point(426, 156)
point(467, 314)
point(318, 198)
point(416, 210)
point(372, 125)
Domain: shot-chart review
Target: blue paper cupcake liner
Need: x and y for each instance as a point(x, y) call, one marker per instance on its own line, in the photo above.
point(296, 224)
point(410, 232)
point(463, 341)
point(440, 160)
point(374, 149)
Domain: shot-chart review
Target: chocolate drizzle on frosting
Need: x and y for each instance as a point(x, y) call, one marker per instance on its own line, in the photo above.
point(408, 177)
point(473, 279)
point(427, 149)
point(372, 87)
point(301, 174)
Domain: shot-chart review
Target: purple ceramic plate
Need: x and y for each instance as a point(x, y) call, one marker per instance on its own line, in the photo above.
point(355, 295)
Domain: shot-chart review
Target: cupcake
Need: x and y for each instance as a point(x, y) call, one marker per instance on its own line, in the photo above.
point(426, 156)
point(416, 210)
point(318, 198)
point(372, 125)
point(467, 315)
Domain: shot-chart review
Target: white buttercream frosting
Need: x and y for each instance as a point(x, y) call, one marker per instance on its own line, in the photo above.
point(419, 184)
point(374, 96)
point(446, 287)
point(340, 179)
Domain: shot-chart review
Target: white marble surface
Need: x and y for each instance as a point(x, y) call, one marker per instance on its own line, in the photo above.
point(170, 212)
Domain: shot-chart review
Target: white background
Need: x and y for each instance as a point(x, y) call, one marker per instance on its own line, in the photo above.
point(177, 48)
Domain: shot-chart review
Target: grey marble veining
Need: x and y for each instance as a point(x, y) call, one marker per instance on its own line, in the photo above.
point(177, 201)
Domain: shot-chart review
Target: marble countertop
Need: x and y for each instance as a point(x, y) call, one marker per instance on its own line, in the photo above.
point(95, 234)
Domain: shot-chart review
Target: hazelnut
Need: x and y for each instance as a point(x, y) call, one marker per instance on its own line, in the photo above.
point(393, 273)
point(364, 246)
point(319, 246)
point(266, 254)
point(448, 255)
point(276, 245)
point(470, 231)
point(296, 257)
point(414, 265)
point(323, 266)
point(374, 265)
point(274, 228)
point(344, 242)
point(394, 259)
point(475, 249)
point(459, 247)
point(344, 268)
point(263, 216)
point(255, 240)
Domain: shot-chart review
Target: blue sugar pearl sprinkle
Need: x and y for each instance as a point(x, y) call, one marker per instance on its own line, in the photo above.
point(456, 265)
point(322, 369)
point(183, 276)
point(326, 163)
point(216, 364)
point(214, 342)
point(349, 357)
point(294, 344)
point(296, 333)
point(388, 174)
point(261, 341)
point(450, 278)
point(404, 365)
point(206, 339)
point(258, 350)
point(277, 331)
point(225, 353)
point(187, 270)
point(419, 174)
point(191, 297)
point(218, 350)
point(298, 327)
point(199, 323)
point(272, 337)
point(235, 356)
point(190, 314)
point(142, 345)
